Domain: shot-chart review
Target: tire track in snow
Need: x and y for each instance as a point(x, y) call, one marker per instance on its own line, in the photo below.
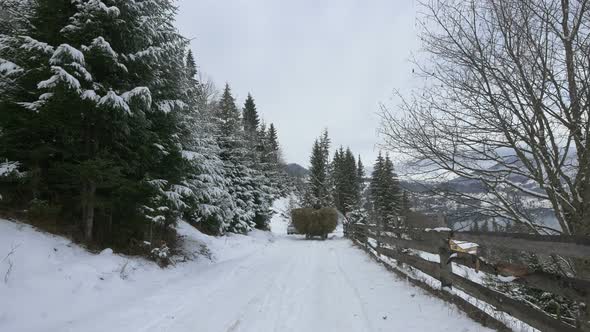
point(232, 283)
point(183, 310)
point(297, 285)
point(266, 305)
point(169, 291)
point(355, 290)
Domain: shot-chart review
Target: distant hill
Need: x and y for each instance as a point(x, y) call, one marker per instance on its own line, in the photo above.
point(461, 216)
point(296, 170)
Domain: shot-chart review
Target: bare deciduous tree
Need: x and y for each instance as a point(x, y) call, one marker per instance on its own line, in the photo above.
point(506, 97)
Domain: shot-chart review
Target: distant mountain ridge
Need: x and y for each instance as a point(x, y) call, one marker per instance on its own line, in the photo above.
point(462, 216)
point(296, 170)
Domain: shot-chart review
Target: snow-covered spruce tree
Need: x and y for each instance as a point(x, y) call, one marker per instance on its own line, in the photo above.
point(352, 185)
point(274, 149)
point(234, 154)
point(376, 189)
point(263, 160)
point(29, 67)
point(318, 191)
point(360, 178)
point(392, 193)
point(360, 212)
point(338, 179)
point(137, 57)
point(250, 118)
point(266, 155)
point(103, 99)
point(272, 161)
point(344, 177)
point(210, 206)
point(384, 192)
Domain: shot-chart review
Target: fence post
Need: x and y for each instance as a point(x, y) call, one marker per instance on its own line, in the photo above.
point(583, 321)
point(446, 267)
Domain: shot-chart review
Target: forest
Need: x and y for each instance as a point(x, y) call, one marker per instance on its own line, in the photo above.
point(108, 133)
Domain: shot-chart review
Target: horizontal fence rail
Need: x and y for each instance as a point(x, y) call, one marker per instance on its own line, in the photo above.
point(563, 245)
point(465, 249)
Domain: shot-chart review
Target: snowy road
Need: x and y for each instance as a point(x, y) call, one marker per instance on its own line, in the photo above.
point(289, 285)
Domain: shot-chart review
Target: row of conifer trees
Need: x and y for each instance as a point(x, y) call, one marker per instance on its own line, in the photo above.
point(106, 130)
point(341, 182)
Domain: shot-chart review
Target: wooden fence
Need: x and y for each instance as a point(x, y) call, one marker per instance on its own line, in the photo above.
point(466, 250)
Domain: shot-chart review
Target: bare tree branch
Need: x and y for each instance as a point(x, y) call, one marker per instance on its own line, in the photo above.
point(506, 104)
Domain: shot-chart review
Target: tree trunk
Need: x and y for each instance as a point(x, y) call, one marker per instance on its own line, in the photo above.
point(88, 184)
point(88, 205)
point(110, 223)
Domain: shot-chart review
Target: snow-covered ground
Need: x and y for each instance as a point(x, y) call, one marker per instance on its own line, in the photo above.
point(260, 282)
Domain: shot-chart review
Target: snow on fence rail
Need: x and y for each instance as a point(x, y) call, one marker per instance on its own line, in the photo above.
point(460, 248)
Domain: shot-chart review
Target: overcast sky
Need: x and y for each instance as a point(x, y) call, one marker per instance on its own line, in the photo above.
point(309, 64)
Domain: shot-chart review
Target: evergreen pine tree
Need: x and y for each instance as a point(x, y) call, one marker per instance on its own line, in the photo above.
point(250, 117)
point(318, 193)
point(228, 120)
point(393, 199)
point(344, 177)
point(376, 191)
point(384, 191)
point(360, 176)
point(233, 154)
point(359, 212)
point(324, 145)
point(193, 86)
point(272, 160)
point(251, 190)
point(364, 193)
point(273, 142)
point(336, 176)
point(352, 184)
point(191, 65)
point(210, 205)
point(104, 108)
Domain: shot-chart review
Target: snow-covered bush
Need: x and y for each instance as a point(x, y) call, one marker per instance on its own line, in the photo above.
point(161, 255)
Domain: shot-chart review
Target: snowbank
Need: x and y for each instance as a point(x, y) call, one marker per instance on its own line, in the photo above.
point(46, 280)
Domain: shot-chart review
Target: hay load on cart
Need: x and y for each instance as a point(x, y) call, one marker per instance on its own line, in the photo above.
point(315, 222)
